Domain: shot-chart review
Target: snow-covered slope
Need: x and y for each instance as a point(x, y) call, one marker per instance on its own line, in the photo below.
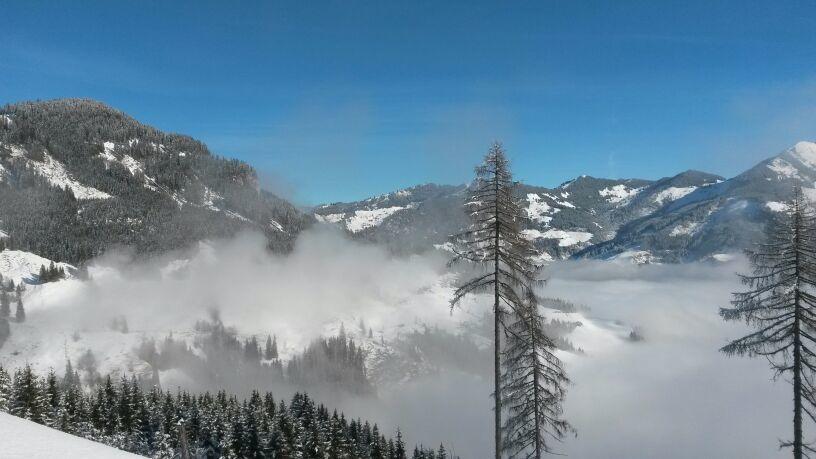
point(564, 220)
point(21, 266)
point(22, 439)
point(698, 222)
point(54, 172)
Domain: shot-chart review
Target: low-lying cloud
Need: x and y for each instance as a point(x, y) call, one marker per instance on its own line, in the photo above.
point(673, 395)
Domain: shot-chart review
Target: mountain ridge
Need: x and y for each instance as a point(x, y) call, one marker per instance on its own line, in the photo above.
point(685, 217)
point(99, 179)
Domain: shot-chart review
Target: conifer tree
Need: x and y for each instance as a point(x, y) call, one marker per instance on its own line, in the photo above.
point(533, 385)
point(53, 399)
point(494, 243)
point(5, 390)
point(442, 453)
point(779, 303)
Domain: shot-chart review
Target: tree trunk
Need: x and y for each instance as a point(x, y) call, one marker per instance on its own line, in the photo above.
point(497, 396)
point(797, 393)
point(797, 352)
point(536, 393)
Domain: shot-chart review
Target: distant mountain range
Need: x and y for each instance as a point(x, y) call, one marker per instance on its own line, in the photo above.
point(690, 216)
point(78, 177)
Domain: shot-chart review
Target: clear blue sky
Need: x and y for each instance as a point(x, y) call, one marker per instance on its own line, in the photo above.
point(342, 100)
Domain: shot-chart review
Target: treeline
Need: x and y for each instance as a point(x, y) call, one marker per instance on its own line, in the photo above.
point(335, 361)
point(160, 424)
point(219, 358)
point(51, 273)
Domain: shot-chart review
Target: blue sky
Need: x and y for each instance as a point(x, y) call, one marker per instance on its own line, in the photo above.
point(342, 100)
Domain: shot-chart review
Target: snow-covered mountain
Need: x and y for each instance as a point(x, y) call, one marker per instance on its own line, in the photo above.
point(690, 216)
point(78, 177)
point(565, 220)
point(720, 218)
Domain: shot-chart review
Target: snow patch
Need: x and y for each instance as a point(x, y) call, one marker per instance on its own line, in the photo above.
point(565, 238)
point(274, 224)
point(805, 152)
point(672, 194)
point(20, 266)
point(618, 193)
point(363, 219)
point(783, 168)
point(538, 208)
point(775, 206)
point(55, 173)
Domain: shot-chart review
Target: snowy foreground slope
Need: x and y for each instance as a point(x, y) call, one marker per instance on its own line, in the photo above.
point(28, 440)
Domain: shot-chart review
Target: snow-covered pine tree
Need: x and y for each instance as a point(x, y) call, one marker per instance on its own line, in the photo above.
point(533, 386)
point(5, 390)
point(53, 396)
point(494, 242)
point(780, 304)
point(442, 453)
point(28, 396)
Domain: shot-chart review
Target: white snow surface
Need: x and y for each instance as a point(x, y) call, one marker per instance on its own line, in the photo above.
point(537, 209)
point(618, 193)
point(805, 152)
point(565, 238)
point(23, 439)
point(56, 174)
point(363, 219)
point(783, 168)
point(20, 266)
point(672, 194)
point(775, 206)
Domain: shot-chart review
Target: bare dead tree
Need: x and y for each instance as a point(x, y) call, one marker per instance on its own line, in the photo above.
point(494, 243)
point(534, 384)
point(781, 306)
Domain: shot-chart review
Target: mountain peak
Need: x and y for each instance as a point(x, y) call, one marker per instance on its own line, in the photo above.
point(805, 152)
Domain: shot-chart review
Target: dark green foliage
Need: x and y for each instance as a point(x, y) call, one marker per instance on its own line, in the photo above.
point(51, 273)
point(336, 361)
point(164, 424)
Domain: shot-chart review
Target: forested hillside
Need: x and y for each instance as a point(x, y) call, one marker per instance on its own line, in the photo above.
point(78, 177)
